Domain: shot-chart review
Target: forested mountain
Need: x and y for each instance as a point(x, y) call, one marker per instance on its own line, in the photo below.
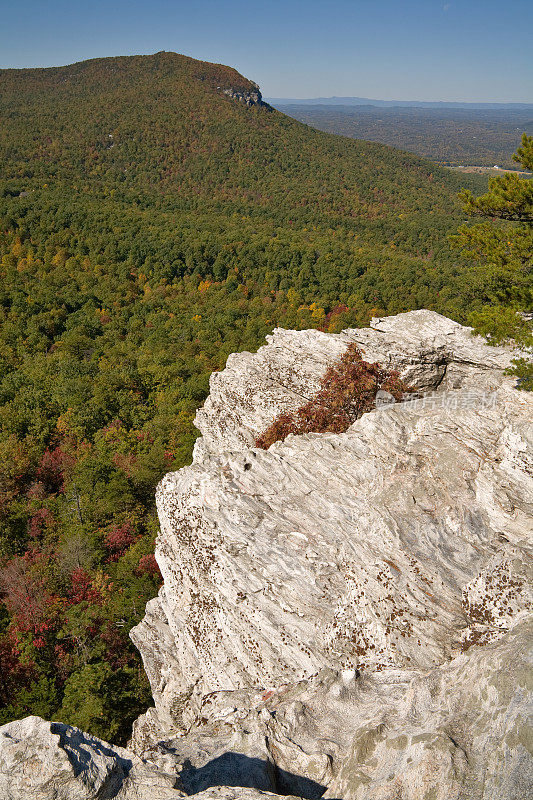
point(164, 123)
point(154, 217)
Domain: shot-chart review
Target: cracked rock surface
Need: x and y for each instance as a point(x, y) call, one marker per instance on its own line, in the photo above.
point(344, 615)
point(396, 544)
point(50, 761)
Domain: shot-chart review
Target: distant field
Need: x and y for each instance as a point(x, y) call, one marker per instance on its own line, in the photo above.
point(478, 170)
point(451, 137)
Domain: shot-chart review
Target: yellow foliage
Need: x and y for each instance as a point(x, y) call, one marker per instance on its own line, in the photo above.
point(292, 296)
point(318, 313)
point(16, 248)
point(59, 259)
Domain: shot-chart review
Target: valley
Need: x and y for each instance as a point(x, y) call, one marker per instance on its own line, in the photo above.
point(448, 136)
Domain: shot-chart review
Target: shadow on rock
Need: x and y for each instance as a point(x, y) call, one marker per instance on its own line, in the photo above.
point(236, 769)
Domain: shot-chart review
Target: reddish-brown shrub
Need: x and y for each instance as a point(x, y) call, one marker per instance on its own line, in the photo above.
point(347, 391)
point(148, 566)
point(118, 540)
point(50, 469)
point(82, 589)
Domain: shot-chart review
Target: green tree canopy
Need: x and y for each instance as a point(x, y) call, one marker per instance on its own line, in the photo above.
point(499, 285)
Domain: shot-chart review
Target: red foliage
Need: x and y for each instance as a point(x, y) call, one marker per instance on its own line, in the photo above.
point(148, 566)
point(52, 468)
point(118, 540)
point(82, 588)
point(338, 309)
point(25, 594)
point(37, 523)
point(347, 391)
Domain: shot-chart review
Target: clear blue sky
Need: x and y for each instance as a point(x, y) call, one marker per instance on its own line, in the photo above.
point(476, 50)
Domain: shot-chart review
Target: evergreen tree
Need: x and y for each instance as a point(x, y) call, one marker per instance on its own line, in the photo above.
point(499, 285)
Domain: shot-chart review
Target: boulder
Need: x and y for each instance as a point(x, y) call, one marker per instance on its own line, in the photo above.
point(51, 761)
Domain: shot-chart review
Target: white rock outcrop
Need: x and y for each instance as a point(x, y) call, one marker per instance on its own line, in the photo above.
point(456, 732)
point(395, 544)
point(346, 615)
point(429, 350)
point(50, 761)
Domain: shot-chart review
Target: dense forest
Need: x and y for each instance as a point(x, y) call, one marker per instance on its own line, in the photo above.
point(449, 136)
point(151, 224)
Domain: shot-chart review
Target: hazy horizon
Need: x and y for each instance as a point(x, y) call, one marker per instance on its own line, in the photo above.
point(315, 98)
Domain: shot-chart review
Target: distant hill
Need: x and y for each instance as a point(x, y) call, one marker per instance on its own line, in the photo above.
point(101, 140)
point(366, 101)
point(197, 132)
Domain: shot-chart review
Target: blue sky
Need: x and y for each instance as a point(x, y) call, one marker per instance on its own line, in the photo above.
point(474, 50)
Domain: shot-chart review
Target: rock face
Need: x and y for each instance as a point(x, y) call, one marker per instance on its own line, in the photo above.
point(395, 544)
point(456, 732)
point(252, 98)
point(378, 556)
point(346, 615)
point(50, 761)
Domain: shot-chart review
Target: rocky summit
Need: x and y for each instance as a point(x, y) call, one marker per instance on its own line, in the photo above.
point(345, 615)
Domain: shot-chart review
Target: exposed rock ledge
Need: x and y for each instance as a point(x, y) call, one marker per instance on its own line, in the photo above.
point(346, 614)
point(249, 98)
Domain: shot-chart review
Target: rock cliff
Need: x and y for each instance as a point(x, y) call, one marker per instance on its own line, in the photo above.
point(397, 543)
point(249, 98)
point(345, 614)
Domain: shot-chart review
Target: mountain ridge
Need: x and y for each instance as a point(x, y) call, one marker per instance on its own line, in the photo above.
point(367, 101)
point(171, 86)
point(201, 70)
